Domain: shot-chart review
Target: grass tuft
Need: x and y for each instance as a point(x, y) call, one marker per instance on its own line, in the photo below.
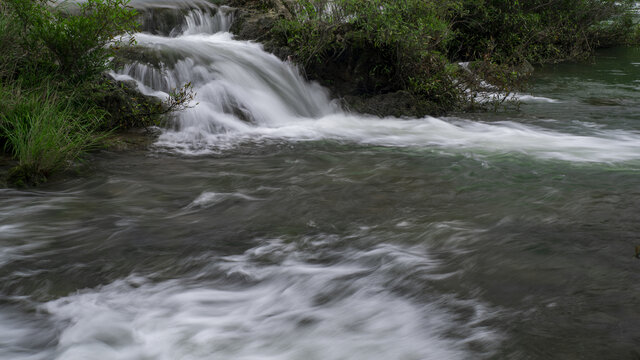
point(45, 131)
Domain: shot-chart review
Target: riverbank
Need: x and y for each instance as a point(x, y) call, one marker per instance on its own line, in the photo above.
point(418, 58)
point(46, 128)
point(57, 100)
point(402, 59)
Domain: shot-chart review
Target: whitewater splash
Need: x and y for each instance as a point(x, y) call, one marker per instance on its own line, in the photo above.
point(283, 306)
point(246, 94)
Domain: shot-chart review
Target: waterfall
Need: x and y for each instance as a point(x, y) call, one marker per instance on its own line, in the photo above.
point(246, 94)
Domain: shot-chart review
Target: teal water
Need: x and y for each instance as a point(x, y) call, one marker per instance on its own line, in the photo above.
point(500, 235)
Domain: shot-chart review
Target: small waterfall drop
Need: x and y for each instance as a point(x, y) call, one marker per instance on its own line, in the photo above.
point(246, 94)
point(201, 22)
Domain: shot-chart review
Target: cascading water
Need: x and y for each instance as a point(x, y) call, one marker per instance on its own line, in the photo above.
point(244, 93)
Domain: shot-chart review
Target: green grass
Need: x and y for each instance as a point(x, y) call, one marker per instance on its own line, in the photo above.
point(55, 102)
point(44, 130)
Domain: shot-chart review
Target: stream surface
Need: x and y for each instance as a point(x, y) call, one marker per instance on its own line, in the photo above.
point(266, 223)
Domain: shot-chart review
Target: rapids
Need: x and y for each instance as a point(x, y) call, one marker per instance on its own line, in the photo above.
point(268, 223)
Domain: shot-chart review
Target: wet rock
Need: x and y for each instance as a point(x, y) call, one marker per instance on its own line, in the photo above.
point(161, 21)
point(397, 104)
point(126, 106)
point(129, 140)
point(251, 25)
point(6, 163)
point(254, 20)
point(166, 19)
point(155, 58)
point(24, 176)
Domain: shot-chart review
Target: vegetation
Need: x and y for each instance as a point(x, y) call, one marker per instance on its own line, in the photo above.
point(67, 44)
point(55, 101)
point(538, 31)
point(45, 132)
point(387, 45)
point(416, 45)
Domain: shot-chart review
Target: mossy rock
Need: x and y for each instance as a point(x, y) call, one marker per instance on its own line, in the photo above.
point(25, 176)
point(130, 140)
point(126, 106)
point(155, 58)
point(167, 20)
point(397, 104)
point(6, 164)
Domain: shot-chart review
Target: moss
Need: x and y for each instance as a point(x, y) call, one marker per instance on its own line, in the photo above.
point(153, 57)
point(397, 104)
point(22, 176)
point(129, 140)
point(126, 107)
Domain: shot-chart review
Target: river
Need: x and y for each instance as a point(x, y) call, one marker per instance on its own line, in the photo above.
point(267, 223)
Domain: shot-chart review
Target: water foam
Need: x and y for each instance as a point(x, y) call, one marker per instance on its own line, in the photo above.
point(290, 308)
point(208, 199)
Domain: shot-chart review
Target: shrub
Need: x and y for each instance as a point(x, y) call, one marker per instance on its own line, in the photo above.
point(537, 31)
point(54, 96)
point(12, 53)
point(389, 45)
point(74, 43)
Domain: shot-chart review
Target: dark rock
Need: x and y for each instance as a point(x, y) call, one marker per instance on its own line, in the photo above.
point(6, 163)
point(155, 58)
point(129, 140)
point(24, 176)
point(126, 106)
point(398, 104)
point(162, 21)
point(255, 19)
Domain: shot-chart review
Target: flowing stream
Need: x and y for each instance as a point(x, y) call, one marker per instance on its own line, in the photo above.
point(267, 223)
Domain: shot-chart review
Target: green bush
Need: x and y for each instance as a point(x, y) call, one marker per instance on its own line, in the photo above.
point(54, 95)
point(537, 31)
point(397, 44)
point(51, 64)
point(390, 45)
point(73, 43)
point(12, 53)
point(412, 25)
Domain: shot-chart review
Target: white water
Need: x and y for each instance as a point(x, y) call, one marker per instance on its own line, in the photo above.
point(201, 22)
point(289, 309)
point(245, 94)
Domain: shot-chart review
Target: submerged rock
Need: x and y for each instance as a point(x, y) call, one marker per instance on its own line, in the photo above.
point(398, 104)
point(155, 58)
point(131, 140)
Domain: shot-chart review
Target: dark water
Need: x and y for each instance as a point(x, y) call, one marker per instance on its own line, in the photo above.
point(518, 245)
